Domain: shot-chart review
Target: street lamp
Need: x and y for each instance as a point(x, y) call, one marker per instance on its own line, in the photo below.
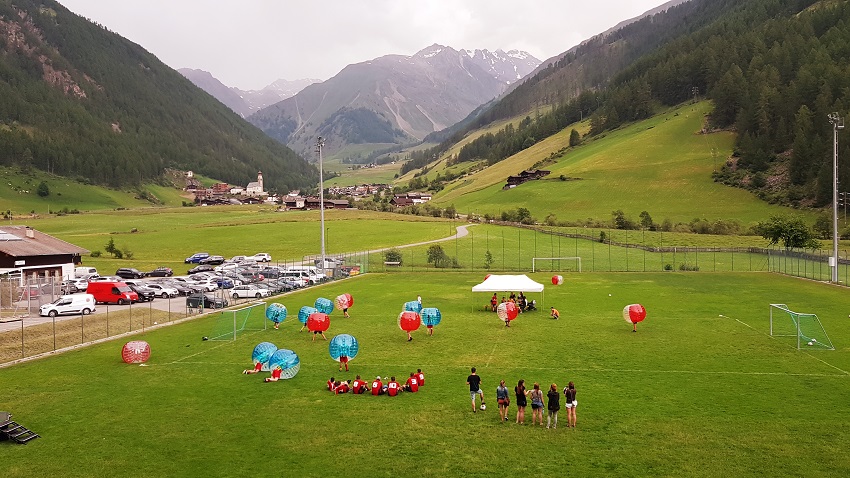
point(320, 143)
point(837, 123)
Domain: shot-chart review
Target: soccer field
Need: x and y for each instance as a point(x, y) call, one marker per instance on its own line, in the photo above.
point(700, 390)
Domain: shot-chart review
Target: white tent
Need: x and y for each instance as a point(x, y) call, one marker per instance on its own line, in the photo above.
point(509, 283)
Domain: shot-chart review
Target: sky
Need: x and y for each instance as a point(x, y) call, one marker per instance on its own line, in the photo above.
point(252, 43)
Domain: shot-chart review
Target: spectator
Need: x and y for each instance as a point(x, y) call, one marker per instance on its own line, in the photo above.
point(536, 404)
point(521, 401)
point(474, 382)
point(553, 400)
point(504, 400)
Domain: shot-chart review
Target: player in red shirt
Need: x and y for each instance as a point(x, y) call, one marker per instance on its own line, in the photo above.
point(342, 387)
point(275, 375)
point(412, 384)
point(331, 384)
point(358, 386)
point(420, 376)
point(257, 368)
point(377, 386)
point(343, 360)
point(393, 387)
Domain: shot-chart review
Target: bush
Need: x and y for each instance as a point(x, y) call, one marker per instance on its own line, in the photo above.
point(393, 255)
point(668, 267)
point(688, 267)
point(95, 254)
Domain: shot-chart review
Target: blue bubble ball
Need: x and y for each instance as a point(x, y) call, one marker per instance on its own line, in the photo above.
point(305, 312)
point(413, 306)
point(276, 313)
point(324, 305)
point(343, 344)
point(287, 360)
point(431, 316)
point(262, 352)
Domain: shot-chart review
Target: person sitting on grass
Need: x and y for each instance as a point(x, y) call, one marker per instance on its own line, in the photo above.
point(393, 387)
point(341, 387)
point(555, 314)
point(412, 384)
point(358, 386)
point(420, 377)
point(331, 384)
point(275, 374)
point(378, 386)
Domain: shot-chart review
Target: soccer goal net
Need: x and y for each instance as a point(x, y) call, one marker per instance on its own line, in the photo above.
point(230, 323)
point(556, 264)
point(807, 329)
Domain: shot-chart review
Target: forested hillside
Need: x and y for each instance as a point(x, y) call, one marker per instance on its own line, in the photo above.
point(78, 100)
point(774, 69)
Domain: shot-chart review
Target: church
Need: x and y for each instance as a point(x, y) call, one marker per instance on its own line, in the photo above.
point(255, 189)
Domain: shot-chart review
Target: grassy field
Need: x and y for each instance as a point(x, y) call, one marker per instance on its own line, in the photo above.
point(18, 194)
point(165, 237)
point(700, 390)
point(660, 165)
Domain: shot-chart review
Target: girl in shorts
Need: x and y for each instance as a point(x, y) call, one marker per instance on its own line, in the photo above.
point(504, 400)
point(571, 404)
point(536, 404)
point(521, 402)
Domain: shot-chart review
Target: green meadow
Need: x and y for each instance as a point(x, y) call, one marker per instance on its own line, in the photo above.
point(700, 390)
point(661, 165)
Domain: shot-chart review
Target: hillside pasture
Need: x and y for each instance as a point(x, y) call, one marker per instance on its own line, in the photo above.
point(699, 390)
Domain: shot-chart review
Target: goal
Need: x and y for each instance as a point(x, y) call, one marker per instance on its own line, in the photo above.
point(556, 264)
point(230, 323)
point(807, 329)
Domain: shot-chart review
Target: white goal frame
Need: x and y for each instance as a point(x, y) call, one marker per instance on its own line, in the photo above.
point(572, 258)
point(787, 311)
point(236, 326)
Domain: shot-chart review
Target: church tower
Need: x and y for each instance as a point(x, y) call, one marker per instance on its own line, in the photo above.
point(260, 180)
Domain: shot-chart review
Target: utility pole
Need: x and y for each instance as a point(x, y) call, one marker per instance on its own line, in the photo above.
point(837, 124)
point(320, 143)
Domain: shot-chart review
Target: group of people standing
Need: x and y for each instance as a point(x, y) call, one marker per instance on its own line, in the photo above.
point(522, 394)
point(520, 300)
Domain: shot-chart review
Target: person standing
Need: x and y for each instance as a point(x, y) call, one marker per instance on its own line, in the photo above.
point(536, 404)
point(343, 360)
point(521, 401)
point(474, 382)
point(571, 404)
point(504, 400)
point(553, 405)
point(494, 302)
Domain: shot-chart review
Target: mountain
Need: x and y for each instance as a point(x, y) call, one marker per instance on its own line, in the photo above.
point(78, 100)
point(394, 98)
point(245, 102)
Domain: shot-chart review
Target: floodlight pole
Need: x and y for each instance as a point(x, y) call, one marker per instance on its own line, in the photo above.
point(837, 124)
point(320, 143)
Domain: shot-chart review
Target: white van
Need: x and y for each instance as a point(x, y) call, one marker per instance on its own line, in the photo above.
point(74, 304)
point(81, 271)
point(315, 273)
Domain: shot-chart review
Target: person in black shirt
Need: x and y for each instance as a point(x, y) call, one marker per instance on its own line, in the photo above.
point(474, 382)
point(554, 406)
point(521, 401)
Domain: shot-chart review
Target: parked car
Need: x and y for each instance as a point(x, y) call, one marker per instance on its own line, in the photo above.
point(129, 273)
point(246, 291)
point(227, 266)
point(198, 301)
point(112, 291)
point(163, 290)
point(196, 258)
point(81, 284)
point(270, 272)
point(209, 284)
point(82, 271)
point(200, 268)
point(237, 259)
point(224, 283)
point(69, 304)
point(213, 260)
point(160, 272)
point(261, 257)
point(69, 287)
point(146, 294)
point(181, 287)
point(299, 277)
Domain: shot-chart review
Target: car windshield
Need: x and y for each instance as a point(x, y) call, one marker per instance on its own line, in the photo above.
point(124, 289)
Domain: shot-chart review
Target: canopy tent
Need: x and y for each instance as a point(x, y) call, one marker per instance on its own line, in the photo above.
point(509, 283)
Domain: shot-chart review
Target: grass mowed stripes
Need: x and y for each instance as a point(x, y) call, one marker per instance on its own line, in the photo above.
point(692, 393)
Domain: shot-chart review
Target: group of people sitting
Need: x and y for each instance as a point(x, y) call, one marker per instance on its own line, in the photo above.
point(377, 387)
point(520, 300)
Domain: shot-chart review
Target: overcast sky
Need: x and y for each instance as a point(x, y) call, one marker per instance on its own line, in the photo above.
point(251, 43)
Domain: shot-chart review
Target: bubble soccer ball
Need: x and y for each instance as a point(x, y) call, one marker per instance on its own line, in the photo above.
point(318, 322)
point(136, 351)
point(343, 344)
point(507, 311)
point(276, 313)
point(324, 305)
point(344, 301)
point(634, 313)
point(288, 362)
point(305, 313)
point(409, 321)
point(413, 306)
point(431, 316)
point(262, 353)
point(557, 280)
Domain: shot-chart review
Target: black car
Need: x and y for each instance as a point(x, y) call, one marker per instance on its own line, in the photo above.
point(160, 272)
point(200, 268)
point(146, 294)
point(270, 273)
point(198, 301)
point(213, 260)
point(129, 273)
